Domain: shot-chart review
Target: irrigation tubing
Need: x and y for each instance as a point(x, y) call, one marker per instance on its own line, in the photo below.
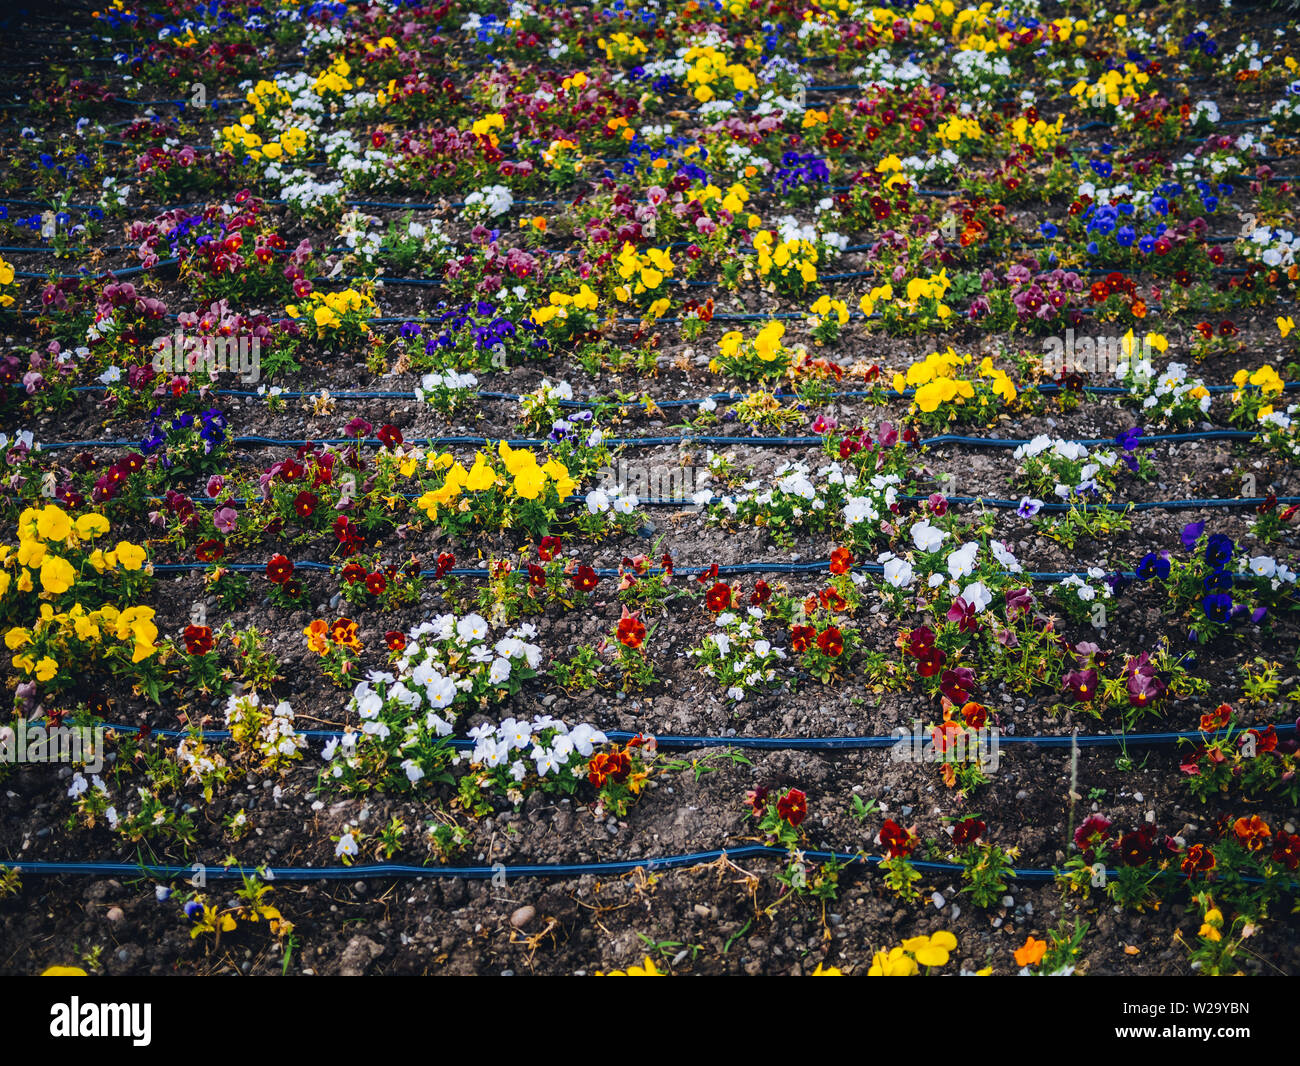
point(397, 205)
point(613, 868)
point(437, 283)
point(1207, 503)
point(725, 570)
point(726, 316)
point(473, 873)
point(689, 743)
point(658, 442)
point(840, 88)
point(1045, 389)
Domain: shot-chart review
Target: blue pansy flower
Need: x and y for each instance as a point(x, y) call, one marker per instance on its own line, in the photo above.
point(1216, 606)
point(1218, 550)
point(1218, 581)
point(1153, 565)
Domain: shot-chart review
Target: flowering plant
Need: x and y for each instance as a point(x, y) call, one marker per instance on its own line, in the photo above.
point(264, 733)
point(1230, 755)
point(506, 490)
point(338, 316)
point(907, 959)
point(762, 359)
point(56, 592)
point(518, 756)
point(737, 656)
point(185, 447)
point(338, 645)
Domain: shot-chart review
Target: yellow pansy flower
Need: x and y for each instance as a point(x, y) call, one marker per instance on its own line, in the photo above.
point(559, 473)
point(90, 525)
point(85, 627)
point(647, 969)
point(931, 950)
point(515, 459)
point(57, 575)
point(897, 963)
point(31, 553)
point(54, 524)
point(130, 556)
point(530, 481)
point(481, 475)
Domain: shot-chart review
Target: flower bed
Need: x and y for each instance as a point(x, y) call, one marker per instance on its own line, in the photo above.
point(492, 436)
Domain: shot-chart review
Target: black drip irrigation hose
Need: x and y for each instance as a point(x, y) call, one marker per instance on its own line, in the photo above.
point(114, 272)
point(791, 316)
point(742, 252)
point(1207, 503)
point(523, 202)
point(1049, 388)
point(725, 570)
point(722, 316)
point(617, 867)
point(689, 743)
point(657, 442)
point(841, 88)
point(471, 873)
point(417, 206)
point(436, 283)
